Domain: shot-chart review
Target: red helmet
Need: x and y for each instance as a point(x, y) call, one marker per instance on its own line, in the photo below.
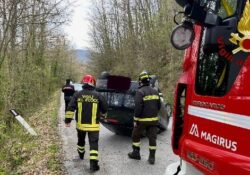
point(89, 79)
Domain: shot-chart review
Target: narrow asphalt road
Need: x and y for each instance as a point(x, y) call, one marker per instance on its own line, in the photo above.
point(113, 150)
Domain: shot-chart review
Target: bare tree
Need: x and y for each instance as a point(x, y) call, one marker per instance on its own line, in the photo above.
point(133, 35)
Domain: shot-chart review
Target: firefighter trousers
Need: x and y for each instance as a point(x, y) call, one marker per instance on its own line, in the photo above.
point(151, 131)
point(93, 137)
point(66, 104)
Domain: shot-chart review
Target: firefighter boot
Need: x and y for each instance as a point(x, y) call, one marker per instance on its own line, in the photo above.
point(94, 166)
point(151, 158)
point(135, 154)
point(81, 154)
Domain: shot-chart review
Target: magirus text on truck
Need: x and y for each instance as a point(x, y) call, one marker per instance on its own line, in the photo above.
point(211, 124)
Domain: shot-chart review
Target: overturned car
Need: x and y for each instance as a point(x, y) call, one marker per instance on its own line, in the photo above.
point(119, 92)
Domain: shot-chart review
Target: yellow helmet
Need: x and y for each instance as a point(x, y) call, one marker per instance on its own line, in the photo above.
point(144, 78)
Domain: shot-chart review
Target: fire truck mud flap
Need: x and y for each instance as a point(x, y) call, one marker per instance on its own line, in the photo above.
point(185, 169)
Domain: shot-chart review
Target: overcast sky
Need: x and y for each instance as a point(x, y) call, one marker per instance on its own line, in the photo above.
point(78, 29)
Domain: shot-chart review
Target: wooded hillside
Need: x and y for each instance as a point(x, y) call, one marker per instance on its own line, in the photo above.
point(35, 60)
point(134, 35)
point(34, 54)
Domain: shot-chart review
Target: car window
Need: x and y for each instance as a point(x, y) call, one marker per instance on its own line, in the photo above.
point(129, 101)
point(118, 99)
point(77, 86)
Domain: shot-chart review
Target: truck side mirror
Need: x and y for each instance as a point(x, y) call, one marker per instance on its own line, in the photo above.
point(212, 19)
point(182, 35)
point(183, 3)
point(199, 14)
point(195, 12)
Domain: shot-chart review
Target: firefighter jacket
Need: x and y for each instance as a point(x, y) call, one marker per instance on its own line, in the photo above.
point(89, 105)
point(68, 91)
point(147, 104)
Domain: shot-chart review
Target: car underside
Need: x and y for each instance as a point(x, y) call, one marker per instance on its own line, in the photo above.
point(119, 92)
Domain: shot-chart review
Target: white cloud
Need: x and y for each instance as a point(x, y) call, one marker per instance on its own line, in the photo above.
point(79, 27)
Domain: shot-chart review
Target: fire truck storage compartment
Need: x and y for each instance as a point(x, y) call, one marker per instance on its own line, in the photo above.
point(179, 114)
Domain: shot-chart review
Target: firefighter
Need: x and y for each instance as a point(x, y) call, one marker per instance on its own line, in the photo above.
point(147, 106)
point(68, 90)
point(89, 106)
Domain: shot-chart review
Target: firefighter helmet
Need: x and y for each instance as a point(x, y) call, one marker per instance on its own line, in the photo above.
point(144, 78)
point(89, 79)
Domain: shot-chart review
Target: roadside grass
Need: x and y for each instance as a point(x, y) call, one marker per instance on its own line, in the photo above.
point(21, 153)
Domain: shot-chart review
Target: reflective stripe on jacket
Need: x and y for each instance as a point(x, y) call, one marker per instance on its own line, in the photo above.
point(89, 105)
point(147, 104)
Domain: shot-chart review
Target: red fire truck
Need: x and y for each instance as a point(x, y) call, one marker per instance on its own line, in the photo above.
point(211, 119)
